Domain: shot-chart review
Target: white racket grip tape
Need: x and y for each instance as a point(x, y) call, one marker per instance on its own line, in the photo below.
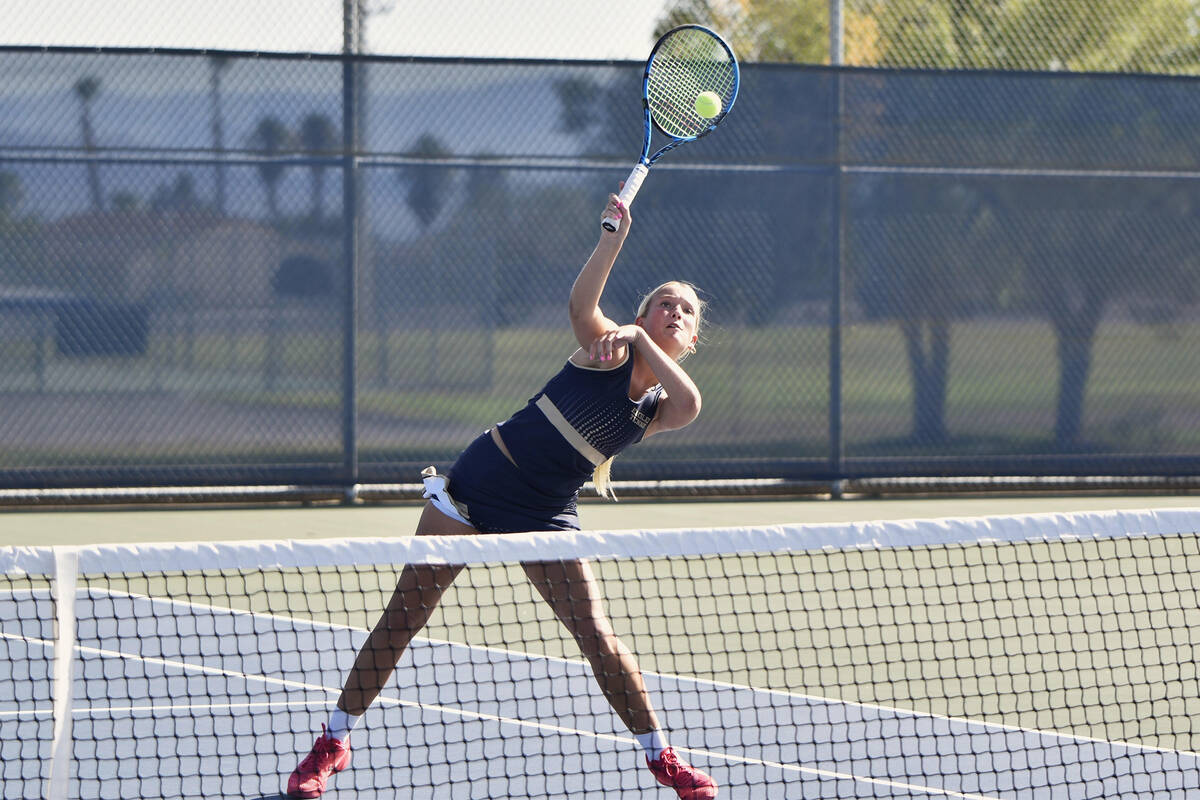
point(628, 192)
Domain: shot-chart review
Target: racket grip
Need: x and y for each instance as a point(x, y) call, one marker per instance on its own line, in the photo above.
point(628, 192)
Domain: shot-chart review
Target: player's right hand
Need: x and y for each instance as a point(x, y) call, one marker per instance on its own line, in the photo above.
point(615, 209)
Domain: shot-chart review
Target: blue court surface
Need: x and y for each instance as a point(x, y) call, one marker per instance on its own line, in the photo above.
point(179, 700)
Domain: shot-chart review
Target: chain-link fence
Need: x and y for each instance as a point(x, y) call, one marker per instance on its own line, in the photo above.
point(1146, 36)
point(911, 274)
point(221, 268)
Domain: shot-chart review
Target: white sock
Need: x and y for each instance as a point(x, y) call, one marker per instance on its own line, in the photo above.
point(340, 724)
point(653, 743)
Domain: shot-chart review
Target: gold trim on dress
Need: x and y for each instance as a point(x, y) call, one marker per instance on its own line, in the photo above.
point(574, 437)
point(500, 445)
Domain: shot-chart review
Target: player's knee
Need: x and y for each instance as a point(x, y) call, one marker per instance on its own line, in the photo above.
point(599, 642)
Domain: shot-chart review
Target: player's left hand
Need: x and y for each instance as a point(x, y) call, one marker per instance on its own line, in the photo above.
point(603, 349)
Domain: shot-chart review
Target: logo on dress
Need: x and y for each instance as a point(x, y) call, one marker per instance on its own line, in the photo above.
point(639, 419)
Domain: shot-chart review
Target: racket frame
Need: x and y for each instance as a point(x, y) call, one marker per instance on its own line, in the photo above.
point(638, 174)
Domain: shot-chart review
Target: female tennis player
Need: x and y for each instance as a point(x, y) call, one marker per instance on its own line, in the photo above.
point(624, 383)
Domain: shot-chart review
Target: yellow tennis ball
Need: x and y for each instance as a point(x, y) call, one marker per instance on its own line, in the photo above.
point(708, 104)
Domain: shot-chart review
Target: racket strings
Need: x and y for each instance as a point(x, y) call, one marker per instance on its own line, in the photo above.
point(688, 63)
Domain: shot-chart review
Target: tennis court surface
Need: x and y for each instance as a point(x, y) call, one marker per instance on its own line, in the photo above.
point(1017, 657)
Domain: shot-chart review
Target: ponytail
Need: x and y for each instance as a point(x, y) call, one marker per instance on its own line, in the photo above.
point(602, 481)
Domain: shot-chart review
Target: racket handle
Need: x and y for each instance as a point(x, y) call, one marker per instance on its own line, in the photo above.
point(628, 192)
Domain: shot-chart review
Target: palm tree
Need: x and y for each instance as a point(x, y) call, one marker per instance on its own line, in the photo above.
point(271, 138)
point(12, 192)
point(218, 64)
point(86, 89)
point(20, 237)
point(427, 185)
point(319, 137)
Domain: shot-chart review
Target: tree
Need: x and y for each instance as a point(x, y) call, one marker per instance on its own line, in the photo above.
point(21, 258)
point(217, 66)
point(86, 89)
point(271, 138)
point(1062, 255)
point(125, 201)
point(1083, 249)
point(779, 30)
point(319, 137)
point(12, 193)
point(428, 183)
point(1110, 35)
point(920, 259)
point(767, 30)
point(1099, 35)
point(179, 195)
point(1107, 35)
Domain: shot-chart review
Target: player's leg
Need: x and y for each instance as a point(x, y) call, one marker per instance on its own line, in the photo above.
point(571, 590)
point(417, 594)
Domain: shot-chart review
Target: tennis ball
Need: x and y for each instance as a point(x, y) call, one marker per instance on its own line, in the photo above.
point(708, 104)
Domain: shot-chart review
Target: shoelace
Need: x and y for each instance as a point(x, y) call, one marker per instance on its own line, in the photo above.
point(670, 762)
point(322, 749)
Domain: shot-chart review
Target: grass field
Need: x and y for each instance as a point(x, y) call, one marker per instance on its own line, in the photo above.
point(766, 390)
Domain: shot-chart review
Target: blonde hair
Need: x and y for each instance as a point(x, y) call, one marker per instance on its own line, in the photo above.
point(602, 474)
point(602, 479)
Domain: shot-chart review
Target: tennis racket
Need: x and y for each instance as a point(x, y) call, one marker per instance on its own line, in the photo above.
point(690, 84)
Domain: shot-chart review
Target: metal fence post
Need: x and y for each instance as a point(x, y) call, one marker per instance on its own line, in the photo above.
point(350, 250)
point(837, 223)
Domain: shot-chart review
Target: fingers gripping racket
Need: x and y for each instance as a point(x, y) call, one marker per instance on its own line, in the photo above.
point(690, 84)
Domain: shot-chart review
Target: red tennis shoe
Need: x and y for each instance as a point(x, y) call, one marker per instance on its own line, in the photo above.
point(327, 757)
point(689, 782)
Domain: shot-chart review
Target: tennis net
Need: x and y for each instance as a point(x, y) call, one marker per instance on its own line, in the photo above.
point(1037, 656)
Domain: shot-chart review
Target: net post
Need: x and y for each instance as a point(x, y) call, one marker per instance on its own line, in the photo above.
point(64, 590)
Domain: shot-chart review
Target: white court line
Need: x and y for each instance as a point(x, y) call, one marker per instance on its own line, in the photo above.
point(27, 712)
point(108, 711)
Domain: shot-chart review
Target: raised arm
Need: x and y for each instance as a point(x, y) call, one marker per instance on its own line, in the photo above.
point(587, 320)
point(681, 401)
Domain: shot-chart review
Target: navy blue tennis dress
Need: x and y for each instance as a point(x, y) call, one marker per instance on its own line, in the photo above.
point(580, 418)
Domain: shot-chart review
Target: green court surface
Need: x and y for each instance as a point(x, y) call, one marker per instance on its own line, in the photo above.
point(155, 524)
